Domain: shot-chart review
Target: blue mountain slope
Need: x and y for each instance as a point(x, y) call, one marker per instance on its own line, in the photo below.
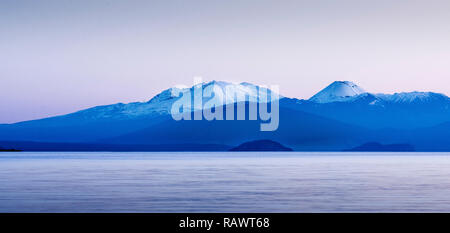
point(298, 130)
point(435, 138)
point(58, 130)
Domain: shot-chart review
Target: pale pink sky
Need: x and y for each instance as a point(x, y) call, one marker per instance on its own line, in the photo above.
point(57, 57)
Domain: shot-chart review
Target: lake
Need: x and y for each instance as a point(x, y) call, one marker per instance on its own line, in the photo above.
point(224, 182)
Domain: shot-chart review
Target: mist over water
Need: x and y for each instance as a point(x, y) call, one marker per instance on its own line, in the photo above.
point(224, 182)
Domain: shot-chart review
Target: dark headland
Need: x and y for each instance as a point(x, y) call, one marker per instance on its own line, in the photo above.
point(9, 150)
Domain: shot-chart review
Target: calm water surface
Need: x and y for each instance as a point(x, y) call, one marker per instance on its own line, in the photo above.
point(224, 182)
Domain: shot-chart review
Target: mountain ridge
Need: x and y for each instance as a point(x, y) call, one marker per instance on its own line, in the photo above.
point(161, 103)
point(352, 120)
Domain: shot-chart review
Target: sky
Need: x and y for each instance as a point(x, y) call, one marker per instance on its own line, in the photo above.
point(61, 56)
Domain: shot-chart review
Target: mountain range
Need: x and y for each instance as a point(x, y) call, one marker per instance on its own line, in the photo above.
point(339, 117)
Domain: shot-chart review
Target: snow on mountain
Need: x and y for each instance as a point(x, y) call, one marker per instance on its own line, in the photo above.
point(413, 97)
point(346, 91)
point(218, 92)
point(162, 103)
point(338, 91)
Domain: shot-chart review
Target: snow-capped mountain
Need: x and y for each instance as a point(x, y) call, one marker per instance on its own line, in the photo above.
point(346, 91)
point(337, 91)
point(161, 104)
point(116, 119)
point(346, 102)
point(218, 91)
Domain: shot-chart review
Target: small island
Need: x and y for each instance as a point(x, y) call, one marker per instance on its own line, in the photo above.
point(261, 145)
